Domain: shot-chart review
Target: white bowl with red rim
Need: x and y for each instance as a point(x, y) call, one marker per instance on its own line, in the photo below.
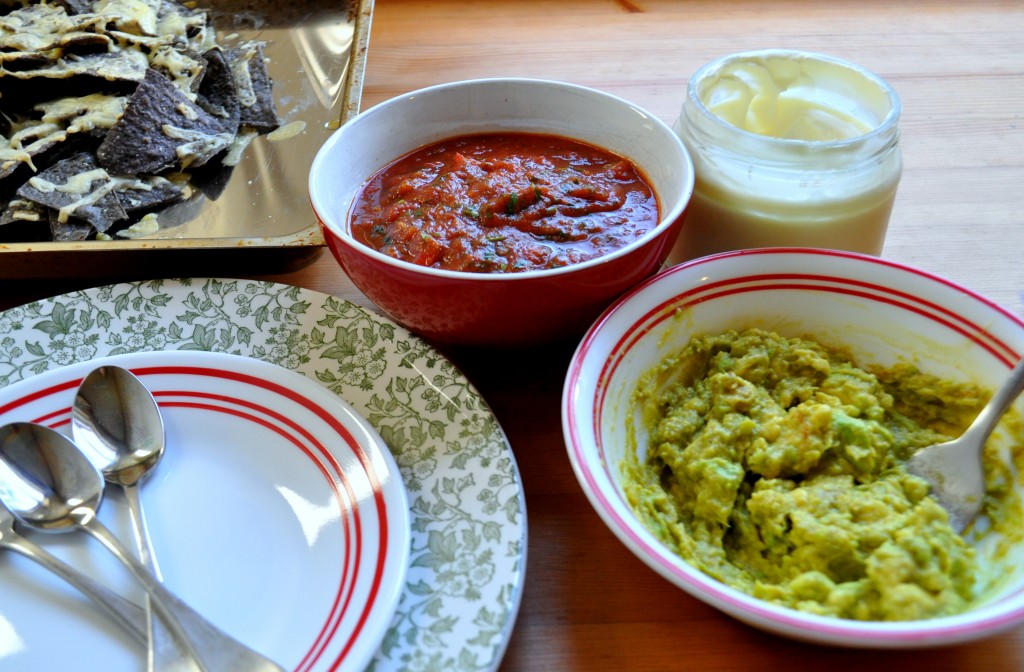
point(882, 312)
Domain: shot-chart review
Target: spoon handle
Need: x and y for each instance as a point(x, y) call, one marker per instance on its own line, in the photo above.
point(126, 613)
point(141, 530)
point(162, 653)
point(209, 646)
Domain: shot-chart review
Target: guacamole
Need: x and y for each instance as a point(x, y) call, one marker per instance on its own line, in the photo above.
point(775, 466)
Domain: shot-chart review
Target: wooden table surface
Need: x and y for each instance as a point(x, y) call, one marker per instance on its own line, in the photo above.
point(588, 604)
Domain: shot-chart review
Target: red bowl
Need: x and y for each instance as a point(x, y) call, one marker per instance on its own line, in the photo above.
point(498, 309)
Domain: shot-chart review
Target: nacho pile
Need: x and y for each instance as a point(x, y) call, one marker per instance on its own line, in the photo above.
point(114, 109)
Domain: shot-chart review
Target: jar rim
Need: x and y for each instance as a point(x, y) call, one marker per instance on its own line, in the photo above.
point(885, 126)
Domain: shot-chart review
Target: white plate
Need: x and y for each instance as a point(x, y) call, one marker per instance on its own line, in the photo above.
point(274, 503)
point(468, 520)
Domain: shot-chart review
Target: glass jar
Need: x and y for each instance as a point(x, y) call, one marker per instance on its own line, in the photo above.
point(790, 148)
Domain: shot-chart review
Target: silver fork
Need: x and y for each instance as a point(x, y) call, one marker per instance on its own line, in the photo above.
point(954, 468)
point(127, 614)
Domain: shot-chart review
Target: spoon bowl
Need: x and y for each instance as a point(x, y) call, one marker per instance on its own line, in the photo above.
point(116, 422)
point(48, 484)
point(42, 488)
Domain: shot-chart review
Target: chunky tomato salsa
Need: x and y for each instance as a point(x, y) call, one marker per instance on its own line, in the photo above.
point(504, 202)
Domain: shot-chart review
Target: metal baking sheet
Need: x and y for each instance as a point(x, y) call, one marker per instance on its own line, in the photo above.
point(262, 222)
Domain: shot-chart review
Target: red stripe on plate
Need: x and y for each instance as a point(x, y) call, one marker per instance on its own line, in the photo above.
point(40, 394)
point(364, 460)
point(319, 457)
point(340, 605)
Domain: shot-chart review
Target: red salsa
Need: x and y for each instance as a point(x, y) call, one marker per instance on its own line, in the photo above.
point(504, 202)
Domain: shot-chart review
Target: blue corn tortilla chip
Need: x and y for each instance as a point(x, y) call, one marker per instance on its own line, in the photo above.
point(77, 188)
point(29, 141)
point(22, 220)
point(101, 68)
point(116, 73)
point(217, 93)
point(23, 210)
point(76, 6)
point(70, 231)
point(254, 86)
point(139, 194)
point(160, 129)
point(16, 167)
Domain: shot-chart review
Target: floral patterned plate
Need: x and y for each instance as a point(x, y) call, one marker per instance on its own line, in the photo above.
point(467, 509)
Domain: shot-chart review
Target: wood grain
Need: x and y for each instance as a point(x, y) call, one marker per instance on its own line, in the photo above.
point(588, 604)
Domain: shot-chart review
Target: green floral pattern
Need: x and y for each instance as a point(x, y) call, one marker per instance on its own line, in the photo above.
point(467, 510)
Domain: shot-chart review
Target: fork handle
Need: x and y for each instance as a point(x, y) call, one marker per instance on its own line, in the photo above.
point(999, 403)
point(126, 613)
point(202, 642)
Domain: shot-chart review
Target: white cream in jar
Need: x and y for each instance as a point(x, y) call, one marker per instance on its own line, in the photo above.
point(789, 148)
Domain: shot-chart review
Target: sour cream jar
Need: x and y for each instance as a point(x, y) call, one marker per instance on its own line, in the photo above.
point(790, 148)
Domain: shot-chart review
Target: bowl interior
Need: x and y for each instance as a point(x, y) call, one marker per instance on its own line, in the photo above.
point(403, 124)
point(883, 313)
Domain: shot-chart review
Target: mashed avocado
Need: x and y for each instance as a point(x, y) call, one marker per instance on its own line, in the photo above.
point(775, 466)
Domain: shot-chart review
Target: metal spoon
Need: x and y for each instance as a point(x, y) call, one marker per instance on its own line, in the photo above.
point(954, 468)
point(127, 614)
point(48, 484)
point(116, 422)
